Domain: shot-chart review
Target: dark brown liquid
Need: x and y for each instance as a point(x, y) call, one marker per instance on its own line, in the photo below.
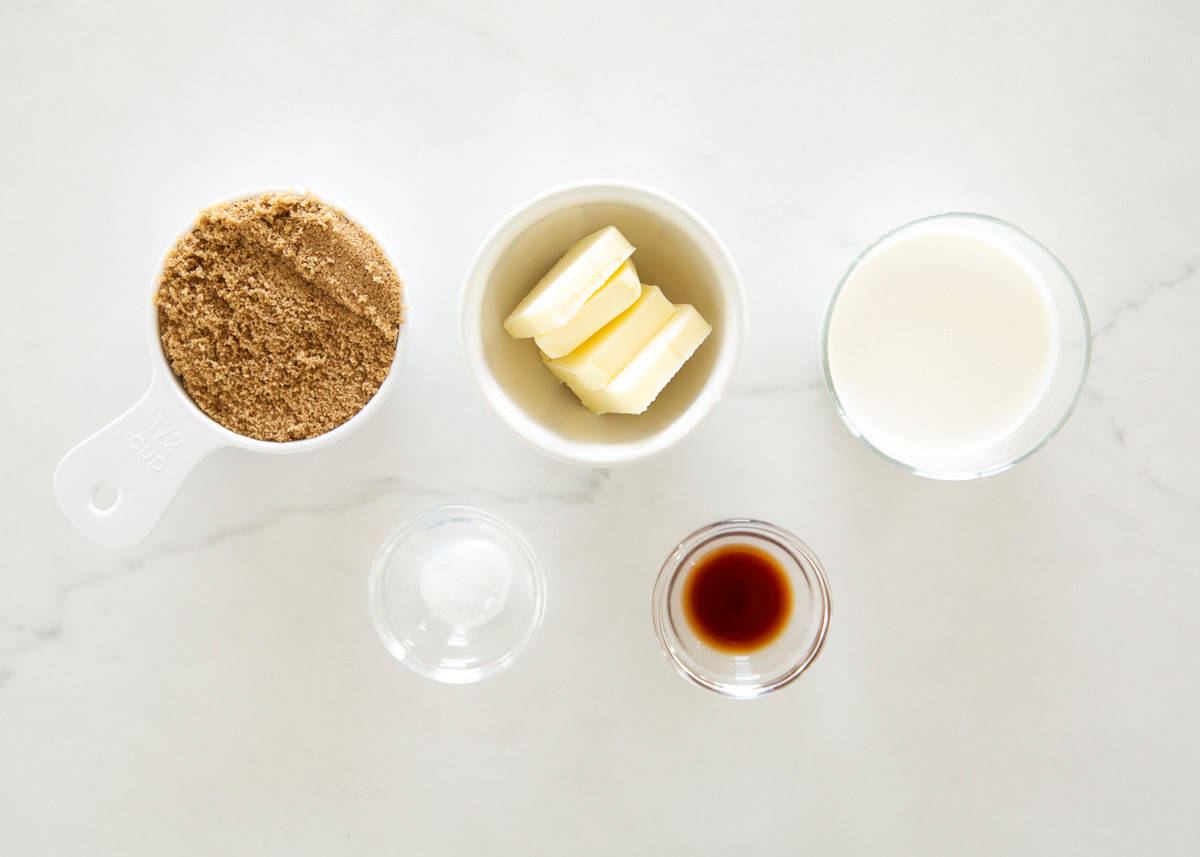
point(737, 598)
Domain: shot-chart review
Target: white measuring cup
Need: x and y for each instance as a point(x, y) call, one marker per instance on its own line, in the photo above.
point(115, 485)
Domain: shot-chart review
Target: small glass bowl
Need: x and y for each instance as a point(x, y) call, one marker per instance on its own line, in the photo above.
point(419, 639)
point(1073, 349)
point(750, 674)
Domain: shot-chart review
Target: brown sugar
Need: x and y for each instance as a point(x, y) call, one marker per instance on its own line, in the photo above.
point(279, 314)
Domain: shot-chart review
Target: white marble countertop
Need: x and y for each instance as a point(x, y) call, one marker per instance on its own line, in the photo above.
point(1012, 663)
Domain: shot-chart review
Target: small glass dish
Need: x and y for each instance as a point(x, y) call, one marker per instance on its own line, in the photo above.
point(417, 637)
point(1072, 346)
point(743, 675)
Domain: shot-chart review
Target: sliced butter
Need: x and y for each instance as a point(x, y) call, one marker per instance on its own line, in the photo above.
point(613, 298)
point(574, 278)
point(637, 385)
point(593, 364)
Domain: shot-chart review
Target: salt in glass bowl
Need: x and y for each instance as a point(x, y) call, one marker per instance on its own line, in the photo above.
point(418, 638)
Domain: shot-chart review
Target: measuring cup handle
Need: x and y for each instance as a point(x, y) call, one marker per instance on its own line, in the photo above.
point(115, 485)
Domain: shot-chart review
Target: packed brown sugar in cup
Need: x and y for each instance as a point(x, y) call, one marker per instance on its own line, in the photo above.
point(279, 314)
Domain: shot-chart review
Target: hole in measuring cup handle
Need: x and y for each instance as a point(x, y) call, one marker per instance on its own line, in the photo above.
point(105, 498)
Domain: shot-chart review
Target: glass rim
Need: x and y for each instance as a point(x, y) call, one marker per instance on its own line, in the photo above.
point(671, 568)
point(831, 389)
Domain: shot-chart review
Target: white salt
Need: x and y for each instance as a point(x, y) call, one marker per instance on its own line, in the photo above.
point(465, 584)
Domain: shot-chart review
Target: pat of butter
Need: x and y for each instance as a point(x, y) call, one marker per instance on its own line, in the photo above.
point(613, 298)
point(593, 364)
point(574, 278)
point(637, 385)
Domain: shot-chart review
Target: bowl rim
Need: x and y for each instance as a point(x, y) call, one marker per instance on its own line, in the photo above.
point(549, 441)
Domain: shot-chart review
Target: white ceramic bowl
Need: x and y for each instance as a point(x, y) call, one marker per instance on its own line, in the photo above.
point(676, 250)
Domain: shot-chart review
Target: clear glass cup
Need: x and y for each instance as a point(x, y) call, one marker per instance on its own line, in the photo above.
point(1072, 343)
point(743, 675)
point(425, 643)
